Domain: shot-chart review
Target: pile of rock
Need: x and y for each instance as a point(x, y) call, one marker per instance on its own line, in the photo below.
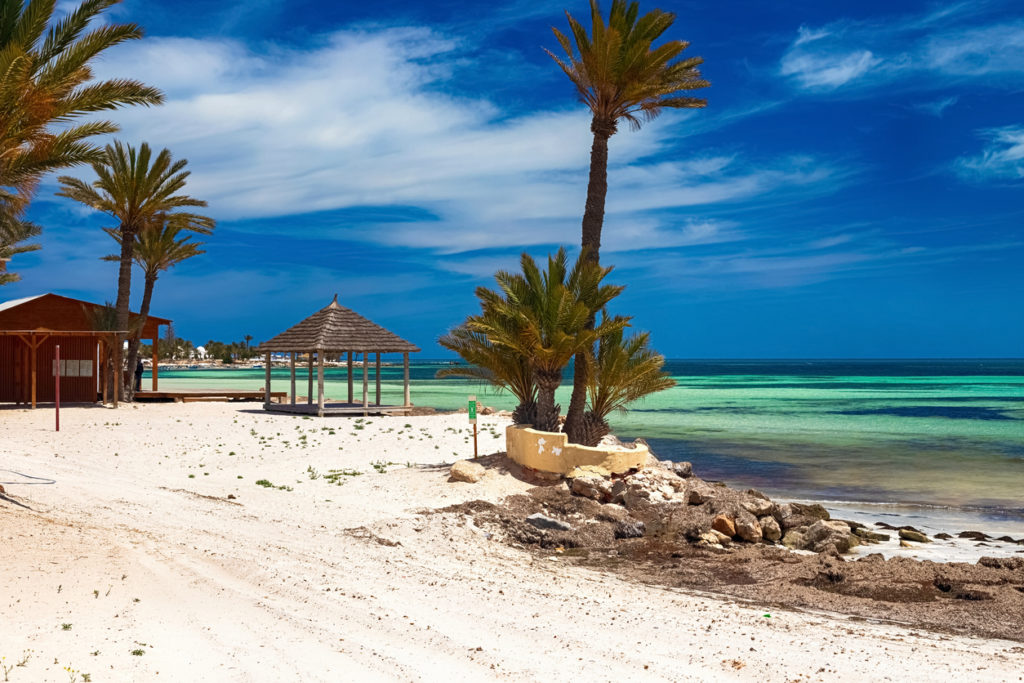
point(666, 498)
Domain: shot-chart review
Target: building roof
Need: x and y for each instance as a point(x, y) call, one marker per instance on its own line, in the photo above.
point(336, 328)
point(59, 313)
point(14, 303)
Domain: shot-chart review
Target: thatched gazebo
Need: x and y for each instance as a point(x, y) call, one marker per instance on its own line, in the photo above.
point(331, 332)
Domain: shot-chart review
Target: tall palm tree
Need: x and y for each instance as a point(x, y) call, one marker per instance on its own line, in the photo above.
point(626, 369)
point(620, 76)
point(160, 246)
point(46, 84)
point(135, 188)
point(543, 316)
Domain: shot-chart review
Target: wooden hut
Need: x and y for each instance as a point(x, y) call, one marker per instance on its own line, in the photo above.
point(30, 328)
point(329, 333)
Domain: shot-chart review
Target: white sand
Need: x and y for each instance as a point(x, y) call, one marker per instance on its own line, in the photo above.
point(351, 582)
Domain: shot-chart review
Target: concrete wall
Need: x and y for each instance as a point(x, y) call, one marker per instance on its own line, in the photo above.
point(552, 452)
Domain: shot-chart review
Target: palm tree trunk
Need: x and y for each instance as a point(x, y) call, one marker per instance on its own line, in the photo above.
point(547, 409)
point(124, 291)
point(133, 345)
point(593, 222)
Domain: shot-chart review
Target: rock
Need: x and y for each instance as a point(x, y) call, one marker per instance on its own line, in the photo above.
point(618, 491)
point(973, 535)
point(770, 529)
point(610, 512)
point(870, 536)
point(748, 529)
point(794, 539)
point(698, 492)
point(468, 471)
point(1011, 563)
point(794, 515)
point(904, 544)
point(593, 487)
point(544, 522)
point(487, 410)
point(650, 487)
point(943, 536)
point(721, 538)
point(504, 413)
point(913, 535)
point(711, 538)
point(724, 525)
point(629, 529)
point(682, 469)
point(825, 534)
point(759, 507)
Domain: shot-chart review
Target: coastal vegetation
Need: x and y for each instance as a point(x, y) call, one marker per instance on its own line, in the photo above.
point(46, 86)
point(619, 75)
point(140, 191)
point(535, 323)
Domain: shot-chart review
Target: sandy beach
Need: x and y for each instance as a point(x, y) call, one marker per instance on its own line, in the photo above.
point(156, 555)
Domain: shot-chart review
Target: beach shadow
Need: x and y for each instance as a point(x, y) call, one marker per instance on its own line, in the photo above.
point(7, 499)
point(500, 462)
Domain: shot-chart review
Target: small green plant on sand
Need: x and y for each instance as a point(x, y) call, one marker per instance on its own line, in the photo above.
point(382, 465)
point(268, 485)
point(65, 627)
point(335, 476)
point(138, 652)
point(311, 471)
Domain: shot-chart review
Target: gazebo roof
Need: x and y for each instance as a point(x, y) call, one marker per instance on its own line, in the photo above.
point(336, 328)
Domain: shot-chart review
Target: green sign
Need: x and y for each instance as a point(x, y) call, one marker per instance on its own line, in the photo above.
point(472, 408)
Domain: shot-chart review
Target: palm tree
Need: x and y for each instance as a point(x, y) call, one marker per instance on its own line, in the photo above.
point(542, 317)
point(159, 247)
point(620, 76)
point(626, 369)
point(494, 365)
point(45, 85)
point(13, 233)
point(135, 188)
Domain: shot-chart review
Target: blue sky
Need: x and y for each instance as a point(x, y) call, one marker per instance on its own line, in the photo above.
point(854, 188)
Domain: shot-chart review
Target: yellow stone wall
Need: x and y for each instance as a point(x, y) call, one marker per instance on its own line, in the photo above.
point(552, 452)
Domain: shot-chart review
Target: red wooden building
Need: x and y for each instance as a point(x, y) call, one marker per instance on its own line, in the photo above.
point(32, 327)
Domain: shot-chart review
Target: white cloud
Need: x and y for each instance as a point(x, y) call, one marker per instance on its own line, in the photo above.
point(813, 69)
point(870, 54)
point(938, 107)
point(1002, 158)
point(367, 118)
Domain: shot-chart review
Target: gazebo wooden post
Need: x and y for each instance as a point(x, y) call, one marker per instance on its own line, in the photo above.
point(376, 376)
point(309, 391)
point(291, 366)
point(320, 383)
point(405, 373)
point(156, 358)
point(366, 381)
point(32, 361)
point(350, 395)
point(266, 379)
point(32, 365)
point(118, 373)
point(101, 365)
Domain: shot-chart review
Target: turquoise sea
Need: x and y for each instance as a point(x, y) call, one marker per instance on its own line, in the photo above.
point(946, 433)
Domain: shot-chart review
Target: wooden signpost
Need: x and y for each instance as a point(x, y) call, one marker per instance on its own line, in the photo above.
point(472, 418)
point(56, 383)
